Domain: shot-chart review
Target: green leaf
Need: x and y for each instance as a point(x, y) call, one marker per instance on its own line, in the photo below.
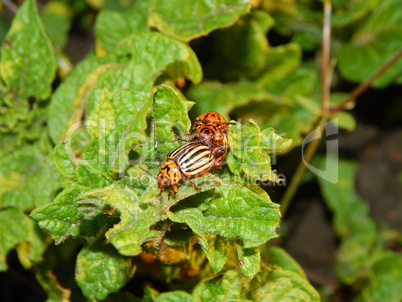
point(279, 257)
point(64, 159)
point(174, 296)
point(344, 120)
point(249, 261)
point(112, 26)
point(55, 292)
point(170, 117)
point(234, 212)
point(142, 57)
point(193, 19)
point(223, 98)
point(240, 50)
point(271, 284)
point(351, 222)
point(216, 249)
point(27, 63)
point(117, 124)
point(136, 218)
point(221, 288)
point(277, 285)
point(69, 100)
point(250, 150)
point(345, 12)
point(12, 233)
point(57, 18)
point(101, 270)
point(281, 61)
point(153, 52)
point(30, 251)
point(29, 178)
point(375, 42)
point(61, 218)
point(383, 282)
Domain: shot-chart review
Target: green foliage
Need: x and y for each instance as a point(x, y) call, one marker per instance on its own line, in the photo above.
point(101, 270)
point(362, 256)
point(79, 154)
point(27, 59)
point(373, 44)
point(189, 20)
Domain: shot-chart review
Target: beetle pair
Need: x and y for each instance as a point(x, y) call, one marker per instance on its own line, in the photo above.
point(207, 148)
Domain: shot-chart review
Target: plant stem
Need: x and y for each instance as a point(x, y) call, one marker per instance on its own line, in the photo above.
point(326, 43)
point(363, 87)
point(10, 5)
point(301, 169)
point(325, 92)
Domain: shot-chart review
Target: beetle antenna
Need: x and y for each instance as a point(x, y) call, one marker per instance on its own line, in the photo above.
point(146, 171)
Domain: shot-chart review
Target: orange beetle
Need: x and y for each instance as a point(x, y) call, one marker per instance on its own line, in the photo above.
point(211, 129)
point(187, 161)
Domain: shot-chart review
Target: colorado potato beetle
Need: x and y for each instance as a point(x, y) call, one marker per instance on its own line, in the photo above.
point(187, 161)
point(210, 129)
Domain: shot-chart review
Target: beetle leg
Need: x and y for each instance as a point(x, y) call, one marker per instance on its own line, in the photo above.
point(174, 189)
point(194, 185)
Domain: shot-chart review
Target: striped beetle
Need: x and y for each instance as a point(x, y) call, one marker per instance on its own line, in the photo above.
point(190, 160)
point(211, 129)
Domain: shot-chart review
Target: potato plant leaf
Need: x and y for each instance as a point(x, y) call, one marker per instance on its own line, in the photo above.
point(170, 118)
point(276, 284)
point(69, 100)
point(101, 270)
point(28, 62)
point(11, 233)
point(250, 149)
point(240, 50)
point(280, 257)
point(57, 18)
point(62, 218)
point(383, 282)
point(113, 26)
point(186, 21)
point(136, 218)
point(233, 212)
point(272, 283)
point(53, 289)
point(351, 222)
point(117, 123)
point(28, 178)
point(374, 43)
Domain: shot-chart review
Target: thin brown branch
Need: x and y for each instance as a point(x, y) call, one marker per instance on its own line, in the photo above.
point(10, 5)
point(325, 91)
point(326, 42)
point(363, 87)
